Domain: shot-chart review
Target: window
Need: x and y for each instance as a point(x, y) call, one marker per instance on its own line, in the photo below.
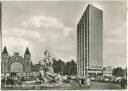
point(28, 63)
point(4, 64)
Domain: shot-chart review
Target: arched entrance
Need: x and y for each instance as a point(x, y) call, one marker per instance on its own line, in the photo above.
point(16, 67)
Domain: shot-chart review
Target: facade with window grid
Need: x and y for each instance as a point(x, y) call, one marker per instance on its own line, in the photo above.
point(90, 42)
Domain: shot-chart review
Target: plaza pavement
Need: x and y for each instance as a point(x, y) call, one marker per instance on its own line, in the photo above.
point(65, 86)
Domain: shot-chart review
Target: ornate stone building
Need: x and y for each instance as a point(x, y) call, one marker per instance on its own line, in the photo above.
point(16, 63)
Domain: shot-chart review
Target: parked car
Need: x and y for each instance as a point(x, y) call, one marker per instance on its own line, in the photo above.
point(93, 79)
point(97, 78)
point(111, 79)
point(101, 79)
point(117, 79)
point(66, 81)
point(106, 79)
point(64, 77)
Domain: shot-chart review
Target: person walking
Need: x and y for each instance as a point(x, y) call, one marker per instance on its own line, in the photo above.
point(88, 82)
point(82, 81)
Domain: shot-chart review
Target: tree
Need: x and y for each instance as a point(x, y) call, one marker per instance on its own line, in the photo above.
point(125, 71)
point(74, 68)
point(118, 72)
point(68, 68)
point(54, 65)
point(61, 67)
point(36, 67)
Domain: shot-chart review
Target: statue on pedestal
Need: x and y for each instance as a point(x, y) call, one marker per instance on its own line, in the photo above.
point(48, 61)
point(46, 73)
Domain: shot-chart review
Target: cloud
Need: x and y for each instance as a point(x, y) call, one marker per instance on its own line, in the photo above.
point(47, 23)
point(21, 32)
point(115, 45)
point(57, 32)
point(40, 33)
point(17, 39)
point(42, 21)
point(118, 35)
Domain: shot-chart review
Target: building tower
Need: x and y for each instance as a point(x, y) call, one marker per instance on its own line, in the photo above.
point(90, 42)
point(1, 32)
point(27, 60)
point(4, 62)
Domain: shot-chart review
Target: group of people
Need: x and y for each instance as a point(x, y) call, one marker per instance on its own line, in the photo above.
point(17, 80)
point(10, 80)
point(83, 81)
point(87, 81)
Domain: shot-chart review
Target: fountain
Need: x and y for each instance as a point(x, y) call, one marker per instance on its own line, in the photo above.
point(46, 73)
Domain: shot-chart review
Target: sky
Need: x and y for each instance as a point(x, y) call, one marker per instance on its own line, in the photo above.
point(52, 25)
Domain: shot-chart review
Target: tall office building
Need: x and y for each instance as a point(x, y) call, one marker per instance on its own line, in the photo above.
point(90, 42)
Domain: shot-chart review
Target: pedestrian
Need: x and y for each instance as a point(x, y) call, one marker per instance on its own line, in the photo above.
point(11, 81)
point(88, 82)
point(22, 78)
point(3, 81)
point(77, 80)
point(82, 81)
point(123, 82)
point(8, 81)
point(19, 81)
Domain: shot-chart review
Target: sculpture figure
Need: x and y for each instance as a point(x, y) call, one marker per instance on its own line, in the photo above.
point(46, 74)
